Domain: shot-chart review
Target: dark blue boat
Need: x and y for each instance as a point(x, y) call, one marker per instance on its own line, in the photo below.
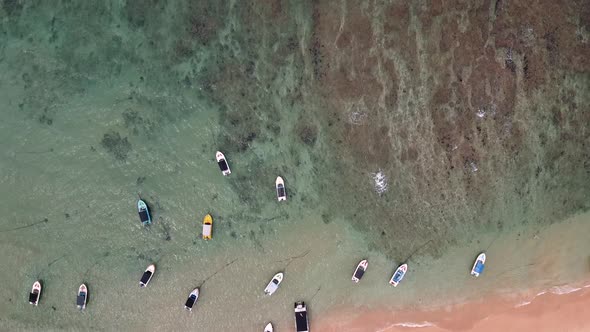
point(144, 213)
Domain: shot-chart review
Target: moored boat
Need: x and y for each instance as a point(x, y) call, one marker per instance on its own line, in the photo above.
point(268, 328)
point(280, 186)
point(222, 162)
point(192, 298)
point(147, 276)
point(35, 293)
point(207, 227)
point(479, 265)
point(274, 283)
point(82, 297)
point(144, 212)
point(360, 270)
point(399, 274)
point(301, 321)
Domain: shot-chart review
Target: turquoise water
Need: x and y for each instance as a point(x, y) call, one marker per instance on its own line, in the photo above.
point(403, 131)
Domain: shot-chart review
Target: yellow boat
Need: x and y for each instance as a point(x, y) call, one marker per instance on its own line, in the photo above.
point(207, 227)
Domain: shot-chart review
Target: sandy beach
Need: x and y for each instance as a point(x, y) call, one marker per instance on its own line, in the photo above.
point(544, 311)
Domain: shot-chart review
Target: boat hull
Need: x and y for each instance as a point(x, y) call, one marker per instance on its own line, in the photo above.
point(301, 321)
point(280, 188)
point(222, 163)
point(144, 213)
point(478, 265)
point(147, 276)
point(35, 293)
point(398, 275)
point(192, 299)
point(268, 328)
point(274, 283)
point(207, 227)
point(360, 270)
point(82, 297)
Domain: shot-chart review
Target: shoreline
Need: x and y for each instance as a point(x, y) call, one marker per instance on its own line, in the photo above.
point(559, 308)
point(538, 289)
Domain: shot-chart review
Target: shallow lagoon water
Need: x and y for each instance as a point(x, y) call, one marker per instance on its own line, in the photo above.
point(394, 144)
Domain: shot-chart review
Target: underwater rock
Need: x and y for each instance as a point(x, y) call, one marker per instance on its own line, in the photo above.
point(12, 7)
point(307, 133)
point(116, 145)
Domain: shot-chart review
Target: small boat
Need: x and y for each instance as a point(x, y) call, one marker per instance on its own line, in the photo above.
point(35, 293)
point(360, 270)
point(192, 298)
point(147, 276)
point(274, 283)
point(82, 297)
point(479, 264)
point(268, 328)
point(222, 162)
point(280, 185)
point(207, 227)
point(399, 275)
point(144, 213)
point(301, 323)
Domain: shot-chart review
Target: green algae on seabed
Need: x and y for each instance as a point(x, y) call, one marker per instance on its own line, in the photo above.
point(421, 125)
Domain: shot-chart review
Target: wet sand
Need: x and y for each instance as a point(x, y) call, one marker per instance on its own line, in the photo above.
point(546, 312)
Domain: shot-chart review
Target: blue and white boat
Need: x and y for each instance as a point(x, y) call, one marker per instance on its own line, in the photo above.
point(479, 265)
point(144, 213)
point(192, 298)
point(399, 274)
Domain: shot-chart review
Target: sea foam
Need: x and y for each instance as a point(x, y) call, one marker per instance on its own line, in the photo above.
point(380, 182)
point(561, 290)
point(412, 324)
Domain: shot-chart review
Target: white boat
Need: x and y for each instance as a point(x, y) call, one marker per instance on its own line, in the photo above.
point(35, 293)
point(479, 265)
point(281, 192)
point(268, 328)
point(301, 322)
point(192, 298)
point(399, 274)
point(147, 276)
point(82, 297)
point(360, 270)
point(274, 283)
point(144, 213)
point(222, 162)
